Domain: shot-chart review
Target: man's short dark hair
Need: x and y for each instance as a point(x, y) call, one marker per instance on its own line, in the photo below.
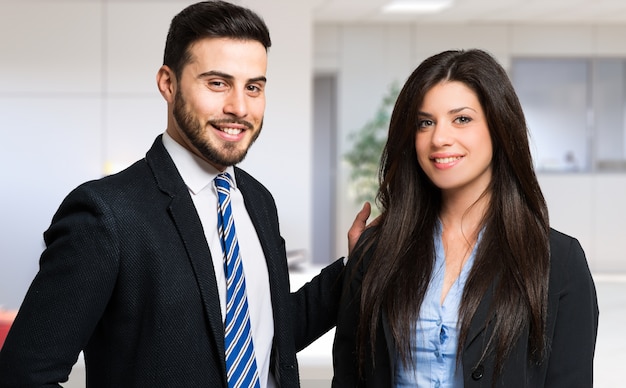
point(210, 19)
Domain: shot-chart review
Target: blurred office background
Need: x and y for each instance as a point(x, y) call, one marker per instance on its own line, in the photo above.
point(78, 100)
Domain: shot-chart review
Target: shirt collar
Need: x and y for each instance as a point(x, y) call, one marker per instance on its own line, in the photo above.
point(196, 173)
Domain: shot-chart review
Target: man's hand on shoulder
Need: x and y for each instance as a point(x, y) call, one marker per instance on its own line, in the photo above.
point(359, 225)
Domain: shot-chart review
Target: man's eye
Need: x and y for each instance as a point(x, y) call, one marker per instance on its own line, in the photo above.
point(255, 88)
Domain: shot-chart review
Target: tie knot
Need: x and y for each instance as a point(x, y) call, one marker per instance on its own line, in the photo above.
point(223, 181)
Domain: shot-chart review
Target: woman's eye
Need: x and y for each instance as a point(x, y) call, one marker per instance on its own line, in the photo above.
point(463, 120)
point(424, 123)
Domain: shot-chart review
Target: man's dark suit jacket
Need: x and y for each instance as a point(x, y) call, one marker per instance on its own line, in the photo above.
point(572, 326)
point(127, 277)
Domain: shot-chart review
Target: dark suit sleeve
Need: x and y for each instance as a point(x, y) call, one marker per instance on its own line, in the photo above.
point(68, 295)
point(575, 313)
point(376, 372)
point(315, 305)
point(345, 367)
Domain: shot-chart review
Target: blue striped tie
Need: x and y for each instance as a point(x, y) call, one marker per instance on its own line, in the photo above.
point(241, 366)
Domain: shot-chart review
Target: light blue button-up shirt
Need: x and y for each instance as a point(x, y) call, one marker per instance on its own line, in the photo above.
point(435, 346)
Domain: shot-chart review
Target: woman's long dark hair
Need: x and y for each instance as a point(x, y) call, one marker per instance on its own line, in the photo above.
point(513, 254)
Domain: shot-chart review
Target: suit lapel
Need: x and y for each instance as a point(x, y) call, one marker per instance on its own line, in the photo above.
point(262, 212)
point(481, 318)
point(185, 217)
point(266, 225)
point(391, 347)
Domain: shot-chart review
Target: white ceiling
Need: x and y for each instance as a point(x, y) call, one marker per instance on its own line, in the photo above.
point(480, 11)
point(462, 11)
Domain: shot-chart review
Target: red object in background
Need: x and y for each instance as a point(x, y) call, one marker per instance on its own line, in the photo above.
point(6, 320)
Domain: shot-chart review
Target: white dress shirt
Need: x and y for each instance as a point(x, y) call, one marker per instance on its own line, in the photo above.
point(198, 175)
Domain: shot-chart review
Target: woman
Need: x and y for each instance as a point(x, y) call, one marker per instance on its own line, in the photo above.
point(462, 282)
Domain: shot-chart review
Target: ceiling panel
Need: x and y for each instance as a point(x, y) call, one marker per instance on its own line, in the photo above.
point(462, 11)
point(526, 11)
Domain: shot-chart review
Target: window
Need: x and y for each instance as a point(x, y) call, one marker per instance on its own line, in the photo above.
point(575, 111)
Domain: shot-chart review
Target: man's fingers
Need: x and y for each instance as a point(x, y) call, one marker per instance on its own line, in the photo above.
point(358, 225)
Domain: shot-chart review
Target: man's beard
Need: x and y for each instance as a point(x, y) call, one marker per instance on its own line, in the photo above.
point(223, 155)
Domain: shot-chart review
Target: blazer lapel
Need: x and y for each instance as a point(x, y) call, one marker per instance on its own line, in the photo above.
point(481, 318)
point(185, 217)
point(262, 211)
point(391, 347)
point(263, 217)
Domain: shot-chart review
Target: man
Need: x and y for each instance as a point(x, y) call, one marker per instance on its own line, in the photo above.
point(133, 273)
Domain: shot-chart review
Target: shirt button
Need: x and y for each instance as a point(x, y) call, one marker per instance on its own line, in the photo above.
point(443, 336)
point(437, 353)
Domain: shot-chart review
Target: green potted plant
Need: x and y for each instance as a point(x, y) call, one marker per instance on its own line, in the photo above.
point(367, 146)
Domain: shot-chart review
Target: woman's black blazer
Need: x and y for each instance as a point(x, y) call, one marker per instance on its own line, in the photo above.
point(572, 325)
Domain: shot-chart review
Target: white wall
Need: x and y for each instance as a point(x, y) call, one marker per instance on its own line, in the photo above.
point(591, 208)
point(367, 58)
point(78, 97)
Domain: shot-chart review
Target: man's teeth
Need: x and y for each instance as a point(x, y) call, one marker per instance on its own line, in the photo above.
point(231, 131)
point(446, 160)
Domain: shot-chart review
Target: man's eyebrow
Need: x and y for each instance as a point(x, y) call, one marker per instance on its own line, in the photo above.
point(258, 79)
point(227, 76)
point(213, 73)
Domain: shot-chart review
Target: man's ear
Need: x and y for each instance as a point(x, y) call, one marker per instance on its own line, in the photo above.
point(166, 82)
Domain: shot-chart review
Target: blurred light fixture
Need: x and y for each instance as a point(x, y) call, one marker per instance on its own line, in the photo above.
point(416, 6)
